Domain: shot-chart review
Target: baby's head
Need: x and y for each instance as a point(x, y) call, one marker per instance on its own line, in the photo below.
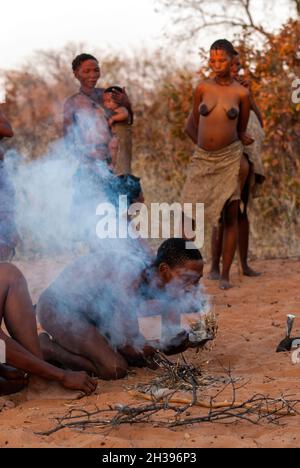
point(108, 99)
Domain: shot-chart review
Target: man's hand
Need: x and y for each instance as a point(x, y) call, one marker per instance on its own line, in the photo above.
point(138, 358)
point(79, 381)
point(177, 344)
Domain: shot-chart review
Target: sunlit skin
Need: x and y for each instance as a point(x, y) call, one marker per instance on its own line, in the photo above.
point(243, 220)
point(89, 350)
point(23, 350)
point(218, 96)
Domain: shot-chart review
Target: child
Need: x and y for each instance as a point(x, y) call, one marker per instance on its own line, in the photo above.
point(120, 122)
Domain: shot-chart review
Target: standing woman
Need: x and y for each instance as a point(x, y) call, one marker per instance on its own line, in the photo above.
point(218, 169)
point(88, 136)
point(251, 188)
point(85, 123)
point(8, 232)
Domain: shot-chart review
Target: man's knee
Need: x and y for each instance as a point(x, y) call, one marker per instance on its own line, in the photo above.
point(45, 311)
point(113, 370)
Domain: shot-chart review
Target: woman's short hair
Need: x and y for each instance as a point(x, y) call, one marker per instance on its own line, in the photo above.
point(226, 46)
point(80, 59)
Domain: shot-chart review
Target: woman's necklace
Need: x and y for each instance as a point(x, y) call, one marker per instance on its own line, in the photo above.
point(224, 83)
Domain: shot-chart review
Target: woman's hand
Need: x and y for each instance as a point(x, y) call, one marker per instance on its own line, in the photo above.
point(246, 139)
point(121, 98)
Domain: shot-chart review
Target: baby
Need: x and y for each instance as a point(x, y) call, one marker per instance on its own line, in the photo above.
point(120, 121)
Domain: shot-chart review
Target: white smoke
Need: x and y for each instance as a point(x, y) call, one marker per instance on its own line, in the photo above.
point(46, 223)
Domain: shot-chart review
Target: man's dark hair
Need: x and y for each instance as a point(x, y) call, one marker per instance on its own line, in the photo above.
point(226, 46)
point(173, 252)
point(80, 59)
point(113, 89)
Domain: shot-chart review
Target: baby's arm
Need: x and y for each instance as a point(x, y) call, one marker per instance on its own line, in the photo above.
point(121, 114)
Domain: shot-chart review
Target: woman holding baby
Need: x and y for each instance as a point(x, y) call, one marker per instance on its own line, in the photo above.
point(90, 119)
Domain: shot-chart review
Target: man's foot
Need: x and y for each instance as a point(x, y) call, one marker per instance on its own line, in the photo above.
point(247, 271)
point(214, 275)
point(225, 285)
point(39, 389)
point(8, 387)
point(48, 347)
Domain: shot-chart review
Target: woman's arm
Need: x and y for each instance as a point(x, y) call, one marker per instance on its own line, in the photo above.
point(190, 129)
point(256, 109)
point(6, 130)
point(197, 100)
point(248, 85)
point(245, 107)
point(120, 115)
point(122, 99)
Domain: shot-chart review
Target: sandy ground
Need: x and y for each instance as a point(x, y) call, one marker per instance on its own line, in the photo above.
point(251, 324)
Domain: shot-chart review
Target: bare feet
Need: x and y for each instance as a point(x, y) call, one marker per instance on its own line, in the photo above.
point(225, 285)
point(214, 275)
point(60, 357)
point(76, 385)
point(39, 389)
point(247, 271)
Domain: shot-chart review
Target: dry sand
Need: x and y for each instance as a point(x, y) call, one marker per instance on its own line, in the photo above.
point(251, 324)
